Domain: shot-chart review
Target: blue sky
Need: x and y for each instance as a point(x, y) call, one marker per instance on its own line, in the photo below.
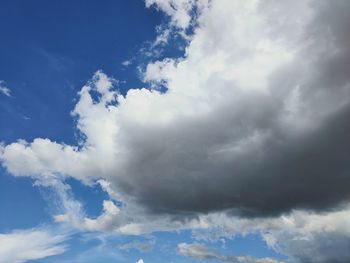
point(146, 131)
point(51, 50)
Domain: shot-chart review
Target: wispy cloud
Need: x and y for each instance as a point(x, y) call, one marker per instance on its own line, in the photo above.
point(145, 246)
point(199, 251)
point(31, 244)
point(4, 90)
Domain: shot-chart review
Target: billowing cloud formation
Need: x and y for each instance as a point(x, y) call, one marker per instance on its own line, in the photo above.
point(254, 123)
point(199, 251)
point(255, 118)
point(24, 245)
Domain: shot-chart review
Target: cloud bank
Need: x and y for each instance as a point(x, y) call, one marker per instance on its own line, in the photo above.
point(201, 252)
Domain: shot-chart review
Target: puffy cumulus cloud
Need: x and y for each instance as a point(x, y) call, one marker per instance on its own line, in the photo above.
point(24, 245)
point(252, 104)
point(180, 11)
point(199, 251)
point(249, 106)
point(4, 90)
point(140, 261)
point(254, 124)
point(48, 161)
point(72, 212)
point(77, 218)
point(106, 219)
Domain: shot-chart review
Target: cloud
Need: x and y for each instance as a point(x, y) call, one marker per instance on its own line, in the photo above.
point(104, 221)
point(4, 90)
point(202, 252)
point(311, 237)
point(126, 63)
point(142, 246)
point(71, 211)
point(242, 108)
point(179, 11)
point(302, 235)
point(140, 261)
point(24, 245)
point(254, 110)
point(253, 125)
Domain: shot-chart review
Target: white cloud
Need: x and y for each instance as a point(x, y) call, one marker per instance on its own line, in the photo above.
point(126, 63)
point(4, 90)
point(72, 212)
point(142, 246)
point(178, 10)
point(104, 221)
point(24, 245)
point(140, 261)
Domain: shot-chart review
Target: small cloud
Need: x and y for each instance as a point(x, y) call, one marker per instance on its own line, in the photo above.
point(127, 63)
point(4, 90)
point(146, 246)
point(140, 261)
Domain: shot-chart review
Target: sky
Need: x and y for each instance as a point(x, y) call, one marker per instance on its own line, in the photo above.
point(180, 131)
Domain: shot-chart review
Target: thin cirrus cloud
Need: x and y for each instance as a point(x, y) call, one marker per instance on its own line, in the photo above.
point(31, 244)
point(253, 125)
point(142, 246)
point(201, 252)
point(4, 90)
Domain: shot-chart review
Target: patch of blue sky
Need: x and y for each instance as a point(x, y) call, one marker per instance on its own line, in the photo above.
point(91, 197)
point(22, 205)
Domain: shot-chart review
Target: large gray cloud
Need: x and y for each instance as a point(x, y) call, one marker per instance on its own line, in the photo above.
point(255, 119)
point(250, 152)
